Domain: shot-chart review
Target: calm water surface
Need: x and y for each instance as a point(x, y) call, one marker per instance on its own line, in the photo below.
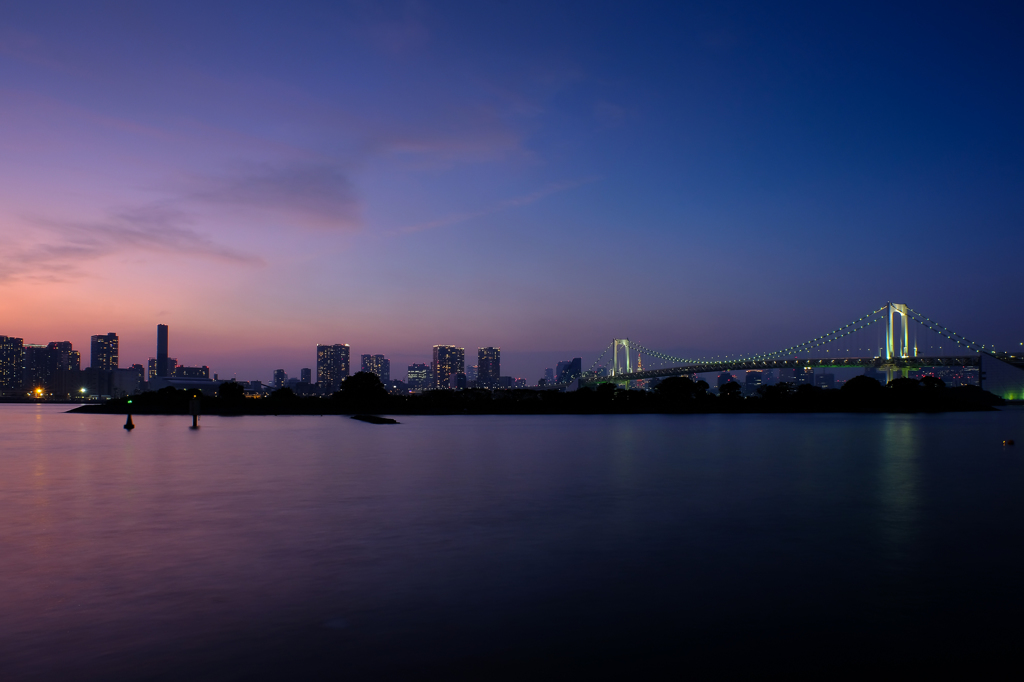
point(481, 547)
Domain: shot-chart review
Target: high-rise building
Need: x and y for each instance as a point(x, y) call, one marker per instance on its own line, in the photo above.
point(488, 366)
point(305, 375)
point(472, 374)
point(376, 364)
point(61, 367)
point(280, 377)
point(549, 375)
point(172, 366)
point(140, 374)
point(332, 365)
point(35, 363)
point(448, 360)
point(12, 362)
point(825, 380)
point(418, 377)
point(103, 352)
point(162, 370)
point(752, 381)
point(568, 370)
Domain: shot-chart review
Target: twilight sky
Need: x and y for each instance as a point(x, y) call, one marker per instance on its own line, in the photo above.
point(541, 176)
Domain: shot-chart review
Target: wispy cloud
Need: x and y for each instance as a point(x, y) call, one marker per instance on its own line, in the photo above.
point(506, 204)
point(318, 195)
point(62, 250)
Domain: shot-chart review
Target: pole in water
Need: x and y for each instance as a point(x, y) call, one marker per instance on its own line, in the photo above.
point(128, 423)
point(193, 409)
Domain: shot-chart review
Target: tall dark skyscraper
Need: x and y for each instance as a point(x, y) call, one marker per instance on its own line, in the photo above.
point(488, 367)
point(567, 370)
point(448, 360)
point(161, 351)
point(35, 366)
point(103, 352)
point(332, 365)
point(12, 362)
point(376, 364)
point(306, 375)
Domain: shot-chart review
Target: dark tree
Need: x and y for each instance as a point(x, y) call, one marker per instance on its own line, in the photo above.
point(363, 386)
point(231, 391)
point(606, 391)
point(862, 386)
point(283, 394)
point(932, 384)
point(679, 388)
point(904, 385)
point(776, 392)
point(730, 391)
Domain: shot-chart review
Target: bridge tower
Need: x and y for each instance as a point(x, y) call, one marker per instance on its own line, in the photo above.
point(620, 358)
point(896, 348)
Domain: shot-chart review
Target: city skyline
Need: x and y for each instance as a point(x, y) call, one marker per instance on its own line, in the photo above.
point(705, 181)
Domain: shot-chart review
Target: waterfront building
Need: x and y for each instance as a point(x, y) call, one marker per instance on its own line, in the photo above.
point(63, 365)
point(332, 365)
point(504, 382)
point(34, 367)
point(472, 374)
point(787, 375)
point(12, 362)
point(162, 367)
point(805, 375)
point(519, 382)
point(752, 382)
point(489, 366)
point(192, 372)
point(549, 375)
point(724, 378)
point(457, 382)
point(418, 377)
point(376, 364)
point(103, 352)
point(448, 360)
point(568, 370)
point(280, 377)
point(306, 375)
point(141, 376)
point(825, 380)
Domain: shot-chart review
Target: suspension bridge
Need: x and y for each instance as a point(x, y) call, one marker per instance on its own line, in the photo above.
point(893, 339)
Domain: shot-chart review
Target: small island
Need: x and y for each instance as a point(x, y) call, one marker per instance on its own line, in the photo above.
point(364, 395)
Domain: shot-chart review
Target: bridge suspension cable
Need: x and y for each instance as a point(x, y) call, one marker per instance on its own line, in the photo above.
point(943, 331)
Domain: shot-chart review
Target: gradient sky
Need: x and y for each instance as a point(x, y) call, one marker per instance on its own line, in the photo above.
point(541, 176)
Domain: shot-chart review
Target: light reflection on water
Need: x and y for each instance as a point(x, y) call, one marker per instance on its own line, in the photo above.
point(259, 545)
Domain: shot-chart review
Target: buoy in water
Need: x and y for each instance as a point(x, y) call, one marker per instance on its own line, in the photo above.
point(128, 424)
point(1008, 442)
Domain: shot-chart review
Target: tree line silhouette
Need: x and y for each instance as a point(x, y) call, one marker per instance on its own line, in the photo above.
point(364, 393)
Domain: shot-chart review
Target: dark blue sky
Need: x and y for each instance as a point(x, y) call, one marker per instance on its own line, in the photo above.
point(726, 179)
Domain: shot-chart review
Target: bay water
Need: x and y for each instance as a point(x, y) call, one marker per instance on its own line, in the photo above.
point(486, 547)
